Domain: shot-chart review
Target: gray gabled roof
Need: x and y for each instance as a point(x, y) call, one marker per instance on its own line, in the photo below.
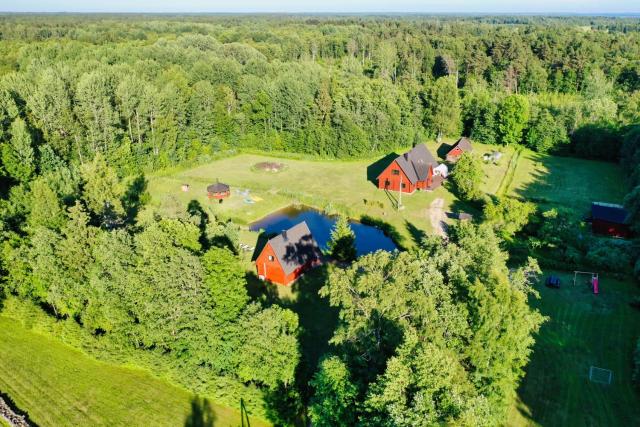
point(415, 163)
point(464, 144)
point(295, 247)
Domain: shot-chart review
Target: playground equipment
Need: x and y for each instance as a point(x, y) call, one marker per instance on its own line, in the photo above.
point(593, 280)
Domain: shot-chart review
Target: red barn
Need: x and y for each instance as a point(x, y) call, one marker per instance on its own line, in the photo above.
point(413, 170)
point(610, 220)
point(288, 255)
point(462, 146)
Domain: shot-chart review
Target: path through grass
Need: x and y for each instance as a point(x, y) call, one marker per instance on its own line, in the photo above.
point(60, 386)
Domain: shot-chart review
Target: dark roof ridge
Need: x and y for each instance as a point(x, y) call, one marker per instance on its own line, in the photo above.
point(294, 247)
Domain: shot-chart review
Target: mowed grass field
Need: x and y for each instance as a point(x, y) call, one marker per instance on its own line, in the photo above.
point(334, 185)
point(348, 187)
point(583, 330)
point(60, 386)
point(552, 181)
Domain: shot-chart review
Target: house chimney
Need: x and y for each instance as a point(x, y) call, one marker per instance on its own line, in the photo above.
point(406, 156)
point(284, 234)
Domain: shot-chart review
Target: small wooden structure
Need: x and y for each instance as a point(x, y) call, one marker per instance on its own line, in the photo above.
point(459, 148)
point(610, 220)
point(218, 191)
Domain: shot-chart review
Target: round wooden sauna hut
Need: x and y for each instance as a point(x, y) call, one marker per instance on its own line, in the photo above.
point(218, 191)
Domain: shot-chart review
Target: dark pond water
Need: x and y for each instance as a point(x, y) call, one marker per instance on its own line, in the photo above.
point(368, 238)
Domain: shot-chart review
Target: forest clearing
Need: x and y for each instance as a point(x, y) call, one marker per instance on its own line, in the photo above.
point(348, 187)
point(319, 220)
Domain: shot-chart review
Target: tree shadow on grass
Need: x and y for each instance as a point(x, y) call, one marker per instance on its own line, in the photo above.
point(135, 197)
point(202, 414)
point(443, 150)
point(417, 234)
point(376, 168)
point(17, 412)
point(317, 324)
point(195, 209)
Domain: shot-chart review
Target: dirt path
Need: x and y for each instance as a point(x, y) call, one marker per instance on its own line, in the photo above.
point(437, 217)
point(11, 417)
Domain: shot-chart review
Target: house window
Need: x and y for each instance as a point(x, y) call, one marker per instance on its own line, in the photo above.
point(404, 185)
point(270, 257)
point(395, 172)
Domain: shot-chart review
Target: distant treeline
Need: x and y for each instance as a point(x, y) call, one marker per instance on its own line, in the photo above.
point(153, 91)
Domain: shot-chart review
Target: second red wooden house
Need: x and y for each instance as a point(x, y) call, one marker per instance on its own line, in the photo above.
point(411, 171)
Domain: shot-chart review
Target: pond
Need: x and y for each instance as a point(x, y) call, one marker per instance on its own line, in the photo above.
point(368, 238)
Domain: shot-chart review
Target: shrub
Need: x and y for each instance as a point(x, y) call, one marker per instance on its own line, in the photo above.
point(467, 177)
point(609, 255)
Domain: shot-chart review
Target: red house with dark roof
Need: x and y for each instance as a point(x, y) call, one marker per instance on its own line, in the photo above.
point(610, 220)
point(459, 148)
point(288, 255)
point(411, 171)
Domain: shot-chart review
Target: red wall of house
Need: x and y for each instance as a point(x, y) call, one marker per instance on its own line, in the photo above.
point(422, 185)
point(392, 182)
point(270, 270)
point(454, 154)
point(610, 229)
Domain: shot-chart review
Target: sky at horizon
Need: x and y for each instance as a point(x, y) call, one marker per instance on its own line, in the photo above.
point(326, 6)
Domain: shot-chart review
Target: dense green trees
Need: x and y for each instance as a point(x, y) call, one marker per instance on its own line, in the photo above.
point(341, 87)
point(507, 215)
point(546, 133)
point(437, 335)
point(18, 156)
point(467, 176)
point(170, 287)
point(512, 117)
point(342, 244)
point(442, 112)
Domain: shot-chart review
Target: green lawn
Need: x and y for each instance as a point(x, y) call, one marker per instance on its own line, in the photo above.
point(60, 386)
point(332, 185)
point(569, 182)
point(346, 186)
point(583, 330)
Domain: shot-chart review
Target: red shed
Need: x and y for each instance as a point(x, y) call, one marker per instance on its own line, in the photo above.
point(610, 219)
point(459, 148)
point(288, 255)
point(413, 170)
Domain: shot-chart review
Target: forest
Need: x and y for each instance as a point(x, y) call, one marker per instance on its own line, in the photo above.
point(437, 334)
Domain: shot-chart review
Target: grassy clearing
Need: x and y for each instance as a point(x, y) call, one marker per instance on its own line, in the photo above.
point(583, 330)
point(60, 386)
point(348, 187)
point(334, 185)
point(568, 182)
